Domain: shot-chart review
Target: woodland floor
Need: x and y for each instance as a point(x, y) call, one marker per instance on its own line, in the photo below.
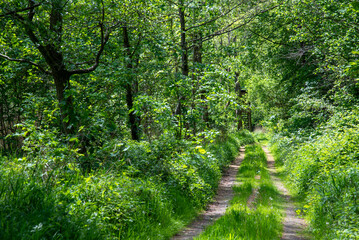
point(293, 226)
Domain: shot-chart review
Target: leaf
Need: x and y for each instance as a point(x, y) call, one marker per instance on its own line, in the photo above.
point(88, 179)
point(81, 128)
point(66, 119)
point(201, 150)
point(73, 139)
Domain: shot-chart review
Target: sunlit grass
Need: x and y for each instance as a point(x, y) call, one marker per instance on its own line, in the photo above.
point(262, 137)
point(299, 201)
point(151, 200)
point(241, 222)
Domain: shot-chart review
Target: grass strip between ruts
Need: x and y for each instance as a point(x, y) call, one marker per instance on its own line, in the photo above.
point(263, 221)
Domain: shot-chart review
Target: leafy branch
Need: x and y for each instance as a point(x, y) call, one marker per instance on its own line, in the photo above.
point(42, 69)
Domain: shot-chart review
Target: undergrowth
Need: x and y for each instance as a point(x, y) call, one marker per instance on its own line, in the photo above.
point(124, 190)
point(322, 166)
point(242, 222)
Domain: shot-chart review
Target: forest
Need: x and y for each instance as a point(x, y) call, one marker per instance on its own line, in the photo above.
point(119, 118)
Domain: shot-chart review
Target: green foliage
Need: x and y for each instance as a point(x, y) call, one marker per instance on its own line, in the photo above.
point(31, 205)
point(298, 61)
point(303, 63)
point(324, 167)
point(140, 190)
point(76, 148)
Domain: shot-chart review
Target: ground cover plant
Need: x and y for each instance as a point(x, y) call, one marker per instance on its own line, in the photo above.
point(324, 170)
point(41, 196)
point(263, 219)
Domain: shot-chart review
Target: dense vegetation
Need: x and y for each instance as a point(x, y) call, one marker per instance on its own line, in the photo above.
point(303, 83)
point(146, 190)
point(116, 117)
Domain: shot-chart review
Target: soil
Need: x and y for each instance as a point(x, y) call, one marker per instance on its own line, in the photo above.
point(218, 207)
point(292, 224)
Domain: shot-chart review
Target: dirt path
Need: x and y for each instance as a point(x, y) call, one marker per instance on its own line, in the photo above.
point(218, 207)
point(291, 224)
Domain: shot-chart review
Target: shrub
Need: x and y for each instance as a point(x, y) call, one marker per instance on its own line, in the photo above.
point(133, 190)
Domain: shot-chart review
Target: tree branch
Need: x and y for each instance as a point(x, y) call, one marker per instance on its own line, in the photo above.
point(26, 61)
point(224, 31)
point(216, 18)
point(104, 40)
point(31, 13)
point(269, 40)
point(31, 7)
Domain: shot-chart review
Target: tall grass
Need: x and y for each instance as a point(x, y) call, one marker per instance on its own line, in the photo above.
point(139, 190)
point(323, 169)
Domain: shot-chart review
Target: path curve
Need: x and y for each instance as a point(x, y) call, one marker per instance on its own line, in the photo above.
point(218, 207)
point(292, 224)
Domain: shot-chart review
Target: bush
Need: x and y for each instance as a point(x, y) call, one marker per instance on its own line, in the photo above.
point(134, 190)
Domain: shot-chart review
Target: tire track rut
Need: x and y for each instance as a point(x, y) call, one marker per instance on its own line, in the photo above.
point(218, 207)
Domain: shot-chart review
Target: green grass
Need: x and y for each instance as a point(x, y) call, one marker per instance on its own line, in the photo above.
point(147, 191)
point(261, 137)
point(298, 200)
point(240, 222)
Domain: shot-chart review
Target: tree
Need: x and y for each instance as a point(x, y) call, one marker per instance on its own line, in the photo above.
point(199, 22)
point(54, 34)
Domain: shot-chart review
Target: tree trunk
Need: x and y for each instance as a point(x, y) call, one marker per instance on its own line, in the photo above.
point(55, 60)
point(184, 68)
point(184, 53)
point(68, 118)
point(239, 97)
point(131, 89)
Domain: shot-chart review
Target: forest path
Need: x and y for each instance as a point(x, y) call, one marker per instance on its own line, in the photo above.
point(219, 205)
point(292, 224)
